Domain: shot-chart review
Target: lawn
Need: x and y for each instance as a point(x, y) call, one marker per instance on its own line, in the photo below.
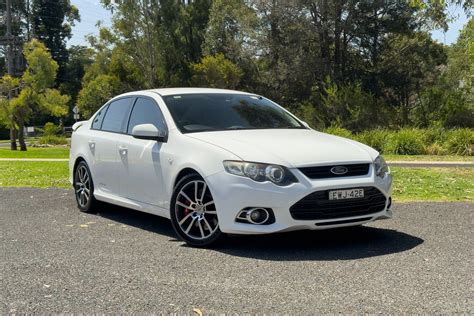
point(34, 174)
point(410, 184)
point(433, 184)
point(32, 152)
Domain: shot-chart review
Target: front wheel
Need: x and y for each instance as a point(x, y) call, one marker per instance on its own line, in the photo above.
point(84, 188)
point(193, 212)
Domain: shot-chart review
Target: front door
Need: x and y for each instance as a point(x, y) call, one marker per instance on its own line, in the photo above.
point(142, 160)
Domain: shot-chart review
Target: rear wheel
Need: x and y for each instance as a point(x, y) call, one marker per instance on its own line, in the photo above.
point(193, 212)
point(84, 188)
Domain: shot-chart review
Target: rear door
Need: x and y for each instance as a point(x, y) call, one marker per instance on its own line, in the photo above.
point(103, 144)
point(142, 160)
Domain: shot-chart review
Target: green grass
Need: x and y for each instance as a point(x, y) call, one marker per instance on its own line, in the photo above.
point(428, 158)
point(433, 184)
point(49, 152)
point(34, 174)
point(410, 184)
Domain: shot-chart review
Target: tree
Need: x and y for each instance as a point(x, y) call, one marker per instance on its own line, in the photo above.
point(36, 95)
point(410, 63)
point(80, 57)
point(52, 24)
point(160, 38)
point(216, 72)
point(96, 92)
point(8, 85)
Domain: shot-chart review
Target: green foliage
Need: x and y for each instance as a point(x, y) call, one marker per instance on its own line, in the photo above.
point(95, 93)
point(80, 57)
point(376, 139)
point(216, 72)
point(52, 22)
point(350, 106)
point(53, 140)
point(338, 131)
point(412, 141)
point(459, 141)
point(50, 129)
point(38, 78)
point(406, 141)
point(7, 83)
point(231, 28)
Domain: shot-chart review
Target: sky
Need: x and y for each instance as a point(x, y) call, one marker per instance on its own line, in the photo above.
point(92, 11)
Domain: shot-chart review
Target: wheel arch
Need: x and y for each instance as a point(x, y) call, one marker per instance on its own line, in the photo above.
point(183, 173)
point(77, 161)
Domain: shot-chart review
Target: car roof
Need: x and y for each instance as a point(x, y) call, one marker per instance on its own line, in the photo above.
point(174, 91)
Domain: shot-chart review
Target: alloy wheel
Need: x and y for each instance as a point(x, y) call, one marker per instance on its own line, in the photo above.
point(195, 210)
point(82, 186)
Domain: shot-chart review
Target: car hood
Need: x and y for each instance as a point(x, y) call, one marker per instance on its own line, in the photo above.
point(289, 147)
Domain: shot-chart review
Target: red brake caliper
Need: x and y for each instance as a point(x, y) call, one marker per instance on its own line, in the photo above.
point(187, 211)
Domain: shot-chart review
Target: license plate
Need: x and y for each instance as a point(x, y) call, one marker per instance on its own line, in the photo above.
point(346, 194)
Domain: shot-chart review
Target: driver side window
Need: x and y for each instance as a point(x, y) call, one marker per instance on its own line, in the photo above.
point(146, 111)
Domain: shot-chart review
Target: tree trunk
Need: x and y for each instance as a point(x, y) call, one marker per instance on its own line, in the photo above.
point(13, 139)
point(21, 136)
point(337, 41)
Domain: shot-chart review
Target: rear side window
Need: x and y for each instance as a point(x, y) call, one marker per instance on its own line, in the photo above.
point(115, 116)
point(98, 118)
point(146, 111)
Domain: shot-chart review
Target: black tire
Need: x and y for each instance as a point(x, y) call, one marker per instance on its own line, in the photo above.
point(201, 219)
point(82, 170)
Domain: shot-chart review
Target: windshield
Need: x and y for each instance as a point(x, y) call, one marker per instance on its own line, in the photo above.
point(220, 112)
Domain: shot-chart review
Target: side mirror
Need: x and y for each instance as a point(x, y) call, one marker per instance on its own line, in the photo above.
point(149, 132)
point(305, 124)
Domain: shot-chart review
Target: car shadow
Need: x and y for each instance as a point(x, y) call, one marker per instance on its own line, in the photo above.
point(145, 221)
point(324, 245)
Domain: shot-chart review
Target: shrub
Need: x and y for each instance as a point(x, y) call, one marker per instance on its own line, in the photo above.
point(406, 141)
point(53, 140)
point(376, 139)
point(50, 129)
point(434, 149)
point(459, 141)
point(338, 131)
point(433, 135)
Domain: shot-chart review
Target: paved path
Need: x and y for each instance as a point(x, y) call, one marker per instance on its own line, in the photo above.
point(55, 259)
point(437, 164)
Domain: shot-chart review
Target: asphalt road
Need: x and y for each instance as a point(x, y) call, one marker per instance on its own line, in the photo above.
point(54, 259)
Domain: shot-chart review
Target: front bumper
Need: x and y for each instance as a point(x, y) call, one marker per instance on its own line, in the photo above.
point(233, 193)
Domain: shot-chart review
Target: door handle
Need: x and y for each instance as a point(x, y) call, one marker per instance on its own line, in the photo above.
point(123, 150)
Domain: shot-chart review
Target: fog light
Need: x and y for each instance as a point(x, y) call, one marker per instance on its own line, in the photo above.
point(257, 216)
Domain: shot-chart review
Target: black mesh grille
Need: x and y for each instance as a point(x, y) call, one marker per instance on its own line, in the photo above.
point(317, 205)
point(323, 172)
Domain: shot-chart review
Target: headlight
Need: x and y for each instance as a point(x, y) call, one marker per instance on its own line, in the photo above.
point(381, 167)
point(260, 172)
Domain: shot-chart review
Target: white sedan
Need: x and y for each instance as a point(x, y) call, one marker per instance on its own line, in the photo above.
point(220, 161)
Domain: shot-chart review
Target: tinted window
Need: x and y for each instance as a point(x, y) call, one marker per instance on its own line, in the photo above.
point(98, 118)
point(116, 114)
point(213, 112)
point(146, 111)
